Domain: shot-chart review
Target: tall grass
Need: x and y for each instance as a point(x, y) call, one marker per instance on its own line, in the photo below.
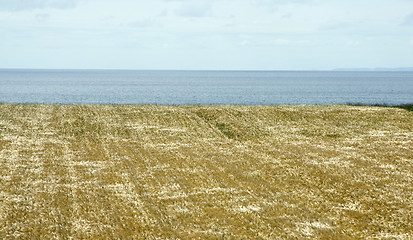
point(407, 106)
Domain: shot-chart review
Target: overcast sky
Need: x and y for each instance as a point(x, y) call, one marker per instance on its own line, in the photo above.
point(201, 34)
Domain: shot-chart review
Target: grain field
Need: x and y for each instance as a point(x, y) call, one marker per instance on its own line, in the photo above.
point(205, 172)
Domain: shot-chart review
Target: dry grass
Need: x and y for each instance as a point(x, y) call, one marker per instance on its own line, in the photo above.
point(207, 172)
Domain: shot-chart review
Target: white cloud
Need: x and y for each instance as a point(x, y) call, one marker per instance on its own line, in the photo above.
point(146, 23)
point(408, 20)
point(282, 2)
point(288, 15)
point(338, 26)
point(194, 9)
point(270, 41)
point(22, 5)
point(284, 41)
point(272, 6)
point(42, 16)
point(353, 43)
point(242, 34)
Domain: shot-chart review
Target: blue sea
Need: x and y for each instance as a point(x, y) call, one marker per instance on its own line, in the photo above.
point(204, 87)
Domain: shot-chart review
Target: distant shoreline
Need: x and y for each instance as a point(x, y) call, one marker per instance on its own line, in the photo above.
point(406, 69)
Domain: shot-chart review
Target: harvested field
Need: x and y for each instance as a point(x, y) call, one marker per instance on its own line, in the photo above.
point(206, 172)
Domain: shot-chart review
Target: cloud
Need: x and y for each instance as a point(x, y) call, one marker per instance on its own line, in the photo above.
point(408, 20)
point(271, 41)
point(280, 2)
point(273, 5)
point(42, 16)
point(24, 5)
point(352, 43)
point(283, 41)
point(146, 23)
point(288, 15)
point(194, 10)
point(338, 26)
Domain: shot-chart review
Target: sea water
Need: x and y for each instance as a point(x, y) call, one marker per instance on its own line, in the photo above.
point(204, 87)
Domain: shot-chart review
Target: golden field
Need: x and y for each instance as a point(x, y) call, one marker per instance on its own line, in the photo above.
point(205, 172)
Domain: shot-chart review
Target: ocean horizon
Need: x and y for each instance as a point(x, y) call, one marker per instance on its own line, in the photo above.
point(205, 87)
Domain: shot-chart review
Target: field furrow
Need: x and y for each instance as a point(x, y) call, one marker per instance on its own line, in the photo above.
point(206, 172)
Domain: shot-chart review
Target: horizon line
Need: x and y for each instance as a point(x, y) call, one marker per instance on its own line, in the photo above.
point(361, 69)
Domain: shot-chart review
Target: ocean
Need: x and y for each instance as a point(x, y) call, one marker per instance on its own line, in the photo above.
point(204, 87)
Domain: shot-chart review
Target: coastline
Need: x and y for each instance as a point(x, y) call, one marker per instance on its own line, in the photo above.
point(223, 171)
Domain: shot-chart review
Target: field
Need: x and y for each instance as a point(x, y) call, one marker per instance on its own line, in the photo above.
point(205, 172)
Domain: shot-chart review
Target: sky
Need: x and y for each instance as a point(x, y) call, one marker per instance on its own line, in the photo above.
point(206, 34)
